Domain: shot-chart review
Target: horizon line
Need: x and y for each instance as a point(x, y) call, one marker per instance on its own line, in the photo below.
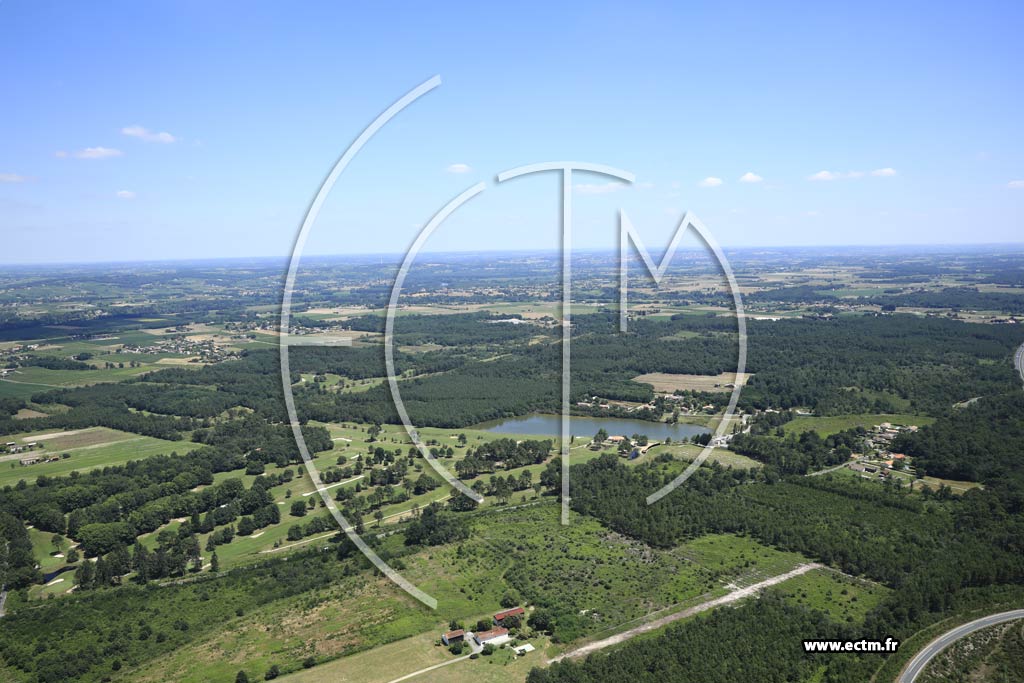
point(398, 255)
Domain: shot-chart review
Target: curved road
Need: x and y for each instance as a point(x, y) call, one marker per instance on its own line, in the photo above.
point(1018, 361)
point(921, 659)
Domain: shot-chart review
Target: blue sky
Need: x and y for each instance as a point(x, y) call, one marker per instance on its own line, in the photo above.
point(191, 129)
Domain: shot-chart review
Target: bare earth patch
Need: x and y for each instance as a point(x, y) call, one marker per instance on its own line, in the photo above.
point(666, 382)
point(26, 413)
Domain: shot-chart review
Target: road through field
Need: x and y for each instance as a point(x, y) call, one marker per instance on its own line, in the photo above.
point(688, 612)
point(474, 649)
point(921, 659)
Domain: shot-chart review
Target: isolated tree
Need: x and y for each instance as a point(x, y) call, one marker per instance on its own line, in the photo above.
point(214, 562)
point(241, 677)
point(58, 542)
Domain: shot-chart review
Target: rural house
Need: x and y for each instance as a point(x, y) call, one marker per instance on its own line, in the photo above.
point(496, 636)
point(456, 636)
point(514, 612)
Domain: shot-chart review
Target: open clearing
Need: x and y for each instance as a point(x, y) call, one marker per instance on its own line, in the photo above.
point(826, 426)
point(88, 449)
point(668, 383)
point(378, 635)
point(844, 598)
point(688, 612)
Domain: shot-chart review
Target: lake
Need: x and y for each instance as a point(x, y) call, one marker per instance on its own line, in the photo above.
point(551, 425)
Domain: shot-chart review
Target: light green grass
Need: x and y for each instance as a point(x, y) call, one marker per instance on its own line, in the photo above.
point(120, 448)
point(826, 426)
point(843, 598)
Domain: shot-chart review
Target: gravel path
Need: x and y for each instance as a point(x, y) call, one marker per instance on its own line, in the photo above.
point(738, 594)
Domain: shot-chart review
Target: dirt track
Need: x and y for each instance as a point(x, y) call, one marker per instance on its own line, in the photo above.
point(688, 612)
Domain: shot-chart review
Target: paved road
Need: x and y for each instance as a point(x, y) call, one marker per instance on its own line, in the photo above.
point(690, 611)
point(921, 659)
point(1018, 361)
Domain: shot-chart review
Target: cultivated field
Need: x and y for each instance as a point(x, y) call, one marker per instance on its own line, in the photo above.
point(668, 383)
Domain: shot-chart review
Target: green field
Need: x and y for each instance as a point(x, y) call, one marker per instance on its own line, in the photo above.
point(826, 426)
point(28, 381)
point(88, 448)
point(98, 447)
point(842, 597)
point(605, 581)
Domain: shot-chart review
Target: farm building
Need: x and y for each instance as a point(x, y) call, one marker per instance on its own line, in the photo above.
point(496, 636)
point(515, 611)
point(455, 636)
point(30, 460)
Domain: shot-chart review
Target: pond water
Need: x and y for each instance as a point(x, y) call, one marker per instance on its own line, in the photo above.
point(582, 426)
point(50, 576)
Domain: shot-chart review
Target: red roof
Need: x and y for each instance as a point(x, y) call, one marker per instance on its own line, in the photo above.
point(457, 633)
point(492, 634)
point(515, 611)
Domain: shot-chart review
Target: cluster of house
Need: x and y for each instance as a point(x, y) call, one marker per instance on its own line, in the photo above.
point(880, 468)
point(12, 447)
point(206, 349)
point(880, 440)
point(496, 636)
point(882, 435)
point(15, 447)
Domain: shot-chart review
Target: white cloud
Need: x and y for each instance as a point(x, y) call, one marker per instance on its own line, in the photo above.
point(830, 175)
point(1016, 184)
point(710, 181)
point(92, 153)
point(12, 178)
point(599, 188)
point(125, 194)
point(147, 135)
point(749, 177)
point(459, 168)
